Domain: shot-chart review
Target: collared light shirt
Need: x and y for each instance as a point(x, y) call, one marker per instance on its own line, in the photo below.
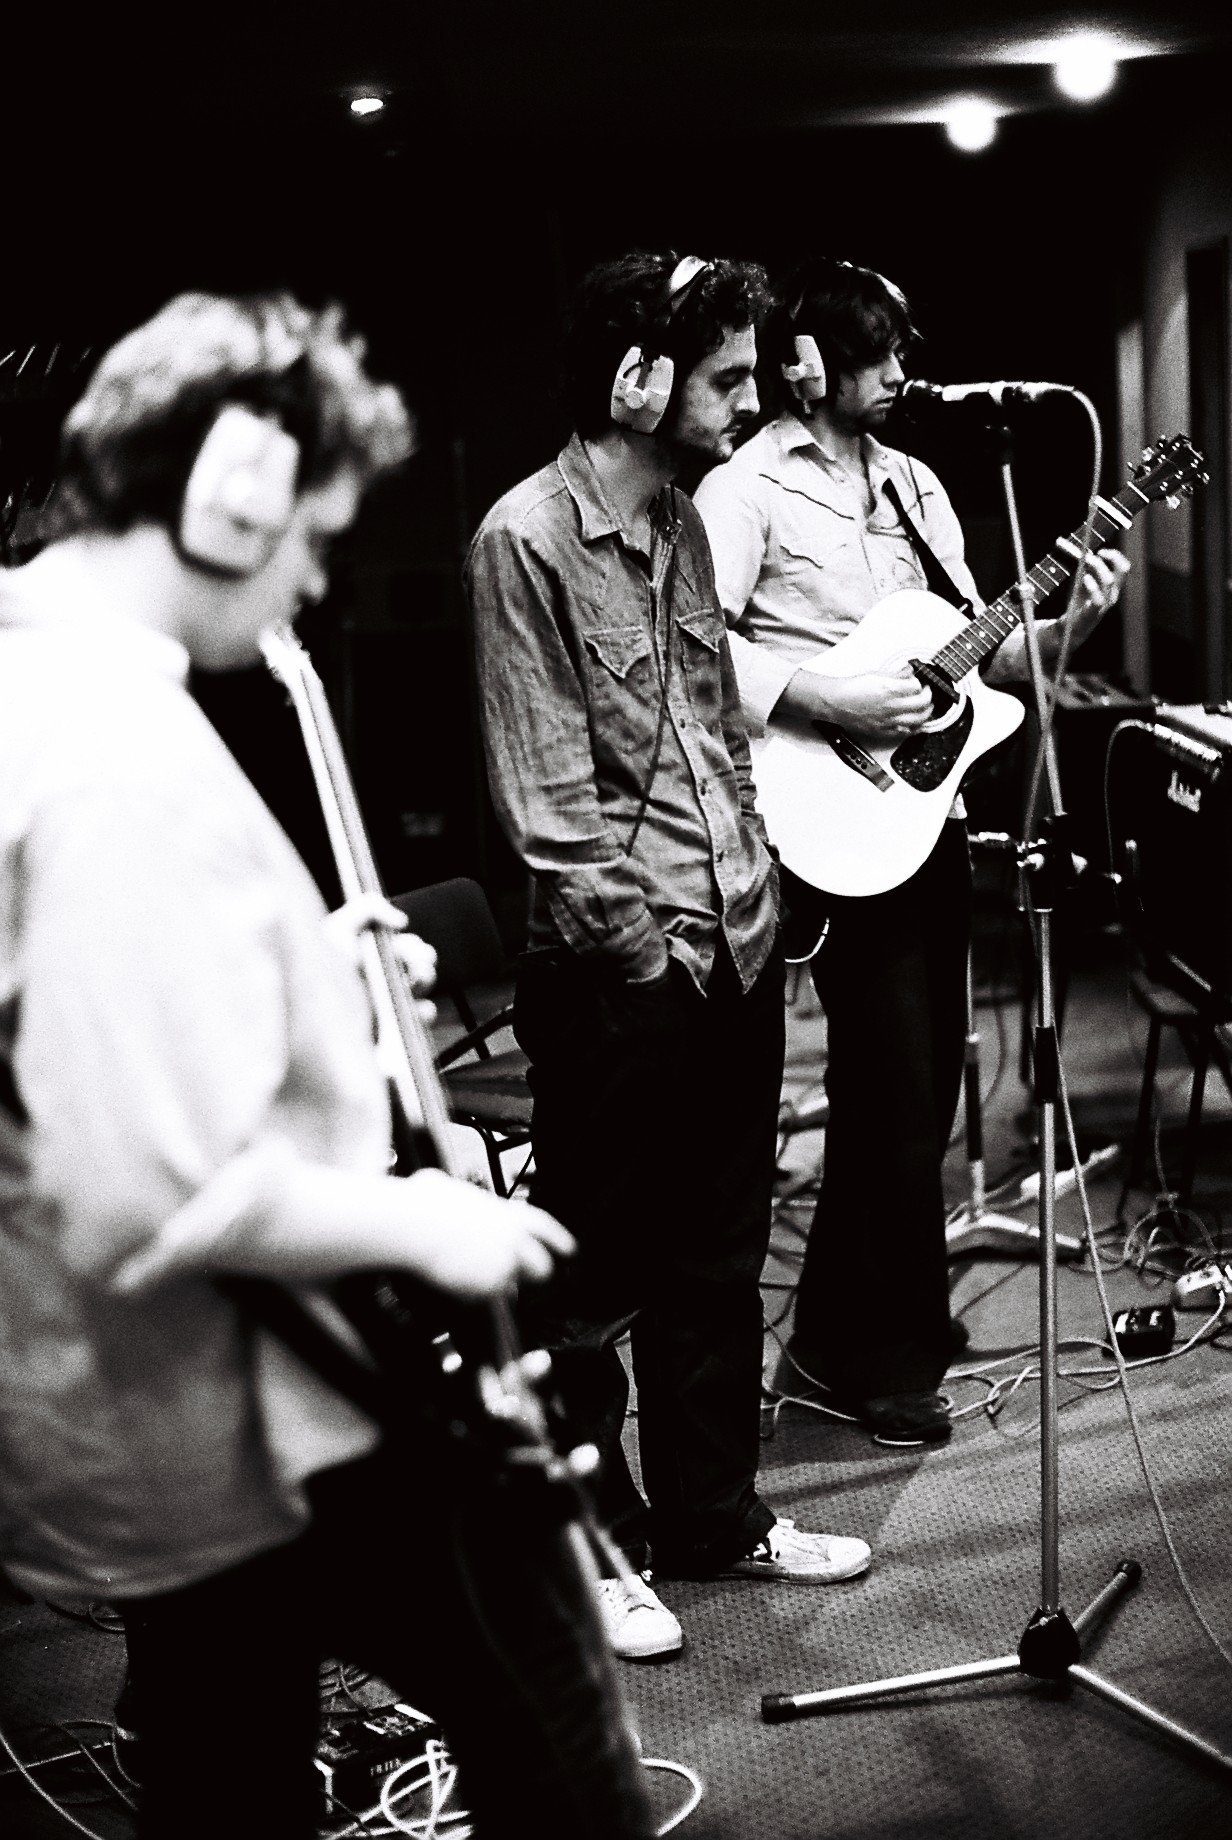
point(799, 557)
point(616, 751)
point(168, 999)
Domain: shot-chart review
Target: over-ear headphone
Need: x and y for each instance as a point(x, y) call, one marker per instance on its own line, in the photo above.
point(240, 495)
point(642, 386)
point(806, 378)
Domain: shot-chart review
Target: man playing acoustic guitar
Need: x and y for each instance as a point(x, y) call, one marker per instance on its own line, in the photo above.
point(807, 523)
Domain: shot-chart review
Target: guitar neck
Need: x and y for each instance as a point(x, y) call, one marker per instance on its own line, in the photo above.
point(983, 634)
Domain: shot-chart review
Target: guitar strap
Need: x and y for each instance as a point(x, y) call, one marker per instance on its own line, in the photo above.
point(936, 574)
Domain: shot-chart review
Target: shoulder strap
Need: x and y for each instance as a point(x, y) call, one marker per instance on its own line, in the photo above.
point(935, 573)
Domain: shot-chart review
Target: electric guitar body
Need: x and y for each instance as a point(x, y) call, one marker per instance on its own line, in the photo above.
point(857, 817)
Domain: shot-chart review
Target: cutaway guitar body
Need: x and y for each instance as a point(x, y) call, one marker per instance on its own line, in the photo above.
point(855, 817)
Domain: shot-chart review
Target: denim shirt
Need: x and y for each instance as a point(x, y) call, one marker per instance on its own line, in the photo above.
point(616, 752)
point(799, 557)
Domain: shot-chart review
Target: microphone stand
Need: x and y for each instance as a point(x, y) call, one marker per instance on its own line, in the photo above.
point(1050, 1647)
point(976, 1229)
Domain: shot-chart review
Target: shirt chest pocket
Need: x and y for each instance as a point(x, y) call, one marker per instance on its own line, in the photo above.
point(701, 640)
point(892, 556)
point(813, 538)
point(624, 687)
point(618, 648)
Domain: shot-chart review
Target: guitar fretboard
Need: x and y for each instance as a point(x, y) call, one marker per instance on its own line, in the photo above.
point(983, 634)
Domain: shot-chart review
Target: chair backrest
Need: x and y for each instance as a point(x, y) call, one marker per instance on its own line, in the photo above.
point(455, 918)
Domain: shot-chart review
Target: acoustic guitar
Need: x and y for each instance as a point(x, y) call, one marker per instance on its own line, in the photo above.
point(858, 817)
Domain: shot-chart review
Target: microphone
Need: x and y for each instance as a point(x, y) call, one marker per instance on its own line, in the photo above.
point(998, 394)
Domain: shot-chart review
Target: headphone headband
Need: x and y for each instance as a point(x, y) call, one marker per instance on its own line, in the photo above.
point(684, 275)
point(796, 305)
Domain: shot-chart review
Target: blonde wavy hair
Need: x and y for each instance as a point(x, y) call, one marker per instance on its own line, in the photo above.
point(128, 444)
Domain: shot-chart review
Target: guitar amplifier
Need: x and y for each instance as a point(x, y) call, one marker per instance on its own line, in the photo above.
point(1089, 708)
point(1169, 785)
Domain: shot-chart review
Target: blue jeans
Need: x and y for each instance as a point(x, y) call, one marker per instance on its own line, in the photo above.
point(654, 1138)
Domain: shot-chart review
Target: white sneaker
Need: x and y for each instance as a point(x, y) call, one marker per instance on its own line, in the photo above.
point(639, 1625)
point(802, 1558)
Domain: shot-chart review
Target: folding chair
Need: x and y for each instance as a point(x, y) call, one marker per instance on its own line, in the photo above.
point(1197, 1027)
point(487, 1090)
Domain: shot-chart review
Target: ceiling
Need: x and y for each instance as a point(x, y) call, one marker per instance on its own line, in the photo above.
point(681, 65)
point(670, 66)
point(222, 152)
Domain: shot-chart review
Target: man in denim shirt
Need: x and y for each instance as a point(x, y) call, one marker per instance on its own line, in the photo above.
point(807, 539)
point(650, 1000)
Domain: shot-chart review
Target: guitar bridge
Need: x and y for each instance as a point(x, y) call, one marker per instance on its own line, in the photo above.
point(853, 755)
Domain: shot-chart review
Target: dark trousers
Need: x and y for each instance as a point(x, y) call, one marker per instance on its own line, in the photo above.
point(654, 1143)
point(465, 1611)
point(872, 1307)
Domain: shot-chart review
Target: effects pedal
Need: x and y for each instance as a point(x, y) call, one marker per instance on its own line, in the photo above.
point(355, 1754)
point(1145, 1330)
point(1202, 1289)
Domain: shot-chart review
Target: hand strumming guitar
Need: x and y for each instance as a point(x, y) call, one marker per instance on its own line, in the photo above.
point(873, 705)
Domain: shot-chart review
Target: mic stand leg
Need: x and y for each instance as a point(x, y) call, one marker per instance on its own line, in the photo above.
point(1050, 1646)
point(976, 1229)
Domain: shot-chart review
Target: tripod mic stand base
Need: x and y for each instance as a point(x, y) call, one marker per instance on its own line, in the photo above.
point(1017, 1239)
point(1048, 1642)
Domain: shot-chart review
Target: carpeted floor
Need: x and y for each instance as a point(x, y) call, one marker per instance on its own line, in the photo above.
point(956, 1575)
point(956, 1534)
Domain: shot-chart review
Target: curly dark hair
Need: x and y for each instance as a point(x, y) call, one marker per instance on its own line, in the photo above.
point(128, 445)
point(855, 315)
point(624, 302)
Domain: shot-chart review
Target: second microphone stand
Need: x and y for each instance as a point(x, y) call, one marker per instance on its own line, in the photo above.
point(1050, 1648)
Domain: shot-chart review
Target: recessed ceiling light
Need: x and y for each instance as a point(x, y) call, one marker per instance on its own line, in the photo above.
point(1085, 67)
point(367, 105)
point(972, 125)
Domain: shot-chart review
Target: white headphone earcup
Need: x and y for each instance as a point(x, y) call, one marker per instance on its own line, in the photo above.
point(240, 495)
point(807, 376)
point(640, 390)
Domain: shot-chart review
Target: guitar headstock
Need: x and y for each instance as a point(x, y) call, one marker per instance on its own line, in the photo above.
point(1171, 469)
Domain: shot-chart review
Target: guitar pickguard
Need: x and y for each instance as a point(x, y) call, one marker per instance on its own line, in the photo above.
point(924, 761)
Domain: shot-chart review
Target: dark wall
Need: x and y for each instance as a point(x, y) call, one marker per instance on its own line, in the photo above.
point(454, 250)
